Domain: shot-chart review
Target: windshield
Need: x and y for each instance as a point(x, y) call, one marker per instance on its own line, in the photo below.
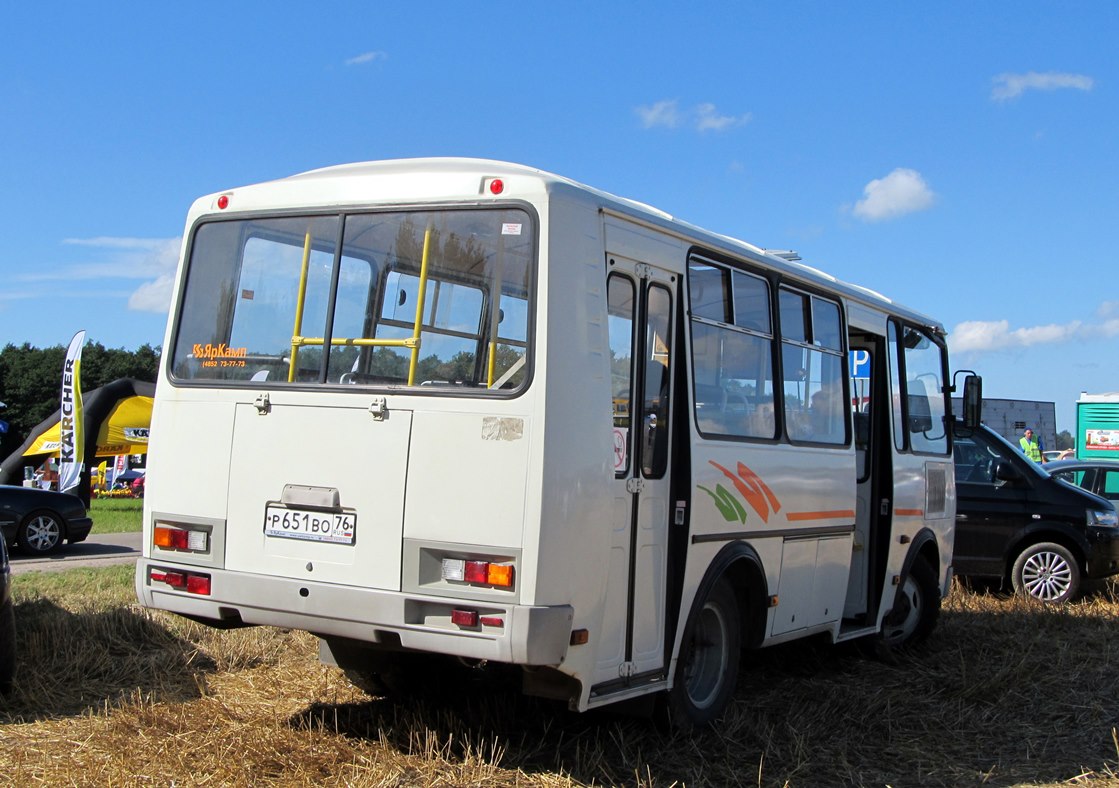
point(423, 298)
point(976, 454)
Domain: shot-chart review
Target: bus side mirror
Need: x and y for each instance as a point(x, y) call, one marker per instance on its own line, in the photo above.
point(973, 401)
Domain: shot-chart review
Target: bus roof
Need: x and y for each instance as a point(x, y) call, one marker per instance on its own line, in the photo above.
point(425, 179)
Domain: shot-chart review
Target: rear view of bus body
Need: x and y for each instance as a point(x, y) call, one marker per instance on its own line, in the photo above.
point(466, 408)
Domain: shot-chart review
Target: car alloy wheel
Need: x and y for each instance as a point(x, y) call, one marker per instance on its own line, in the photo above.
point(41, 533)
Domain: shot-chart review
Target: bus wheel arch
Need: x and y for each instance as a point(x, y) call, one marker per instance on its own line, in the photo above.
point(726, 617)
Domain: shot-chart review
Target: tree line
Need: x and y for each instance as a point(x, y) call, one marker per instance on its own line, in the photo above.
point(31, 381)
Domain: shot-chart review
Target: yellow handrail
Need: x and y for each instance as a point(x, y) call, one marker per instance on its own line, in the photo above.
point(295, 337)
point(495, 308)
point(412, 343)
point(408, 342)
point(418, 327)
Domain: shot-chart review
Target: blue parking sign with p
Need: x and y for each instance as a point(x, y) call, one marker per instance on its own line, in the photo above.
point(860, 364)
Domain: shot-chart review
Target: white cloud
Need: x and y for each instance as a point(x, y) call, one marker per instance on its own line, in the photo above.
point(978, 336)
point(110, 242)
point(152, 260)
point(1108, 308)
point(17, 295)
point(1011, 86)
point(366, 57)
point(702, 117)
point(153, 296)
point(902, 191)
point(663, 113)
point(708, 119)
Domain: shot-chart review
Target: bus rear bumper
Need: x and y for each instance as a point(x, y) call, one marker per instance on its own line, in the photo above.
point(517, 634)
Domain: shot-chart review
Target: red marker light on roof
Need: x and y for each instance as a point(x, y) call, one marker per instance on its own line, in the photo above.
point(223, 201)
point(497, 186)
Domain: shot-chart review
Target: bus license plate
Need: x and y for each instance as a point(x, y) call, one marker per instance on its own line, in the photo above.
point(333, 527)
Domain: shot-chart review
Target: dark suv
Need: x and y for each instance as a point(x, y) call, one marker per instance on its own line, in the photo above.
point(1014, 521)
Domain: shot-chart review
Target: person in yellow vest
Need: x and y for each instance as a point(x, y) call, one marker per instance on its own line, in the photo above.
point(1029, 446)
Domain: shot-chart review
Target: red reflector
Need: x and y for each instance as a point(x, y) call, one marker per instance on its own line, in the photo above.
point(476, 571)
point(198, 584)
point(497, 186)
point(464, 618)
point(223, 201)
point(492, 621)
point(173, 579)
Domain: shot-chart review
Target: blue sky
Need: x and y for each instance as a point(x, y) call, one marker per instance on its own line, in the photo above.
point(961, 158)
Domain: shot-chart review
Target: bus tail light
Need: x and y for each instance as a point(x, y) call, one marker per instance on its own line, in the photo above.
point(170, 537)
point(478, 573)
point(191, 582)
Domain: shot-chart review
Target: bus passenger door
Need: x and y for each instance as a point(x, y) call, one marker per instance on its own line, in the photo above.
point(641, 302)
point(870, 398)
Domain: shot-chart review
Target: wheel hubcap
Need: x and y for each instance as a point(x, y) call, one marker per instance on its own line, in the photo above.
point(42, 533)
point(707, 658)
point(1047, 576)
point(903, 619)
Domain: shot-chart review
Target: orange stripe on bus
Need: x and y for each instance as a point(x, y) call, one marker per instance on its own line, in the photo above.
point(909, 512)
point(798, 516)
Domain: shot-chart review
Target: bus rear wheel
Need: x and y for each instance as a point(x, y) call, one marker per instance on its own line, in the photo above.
point(707, 668)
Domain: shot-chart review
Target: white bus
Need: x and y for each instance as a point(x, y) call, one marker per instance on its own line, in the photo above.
point(444, 409)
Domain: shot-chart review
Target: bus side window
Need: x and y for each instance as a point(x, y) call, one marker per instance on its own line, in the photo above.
point(812, 356)
point(658, 364)
point(620, 298)
point(732, 352)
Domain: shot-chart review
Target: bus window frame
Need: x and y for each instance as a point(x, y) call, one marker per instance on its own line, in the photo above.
point(342, 213)
point(837, 300)
point(900, 416)
point(730, 268)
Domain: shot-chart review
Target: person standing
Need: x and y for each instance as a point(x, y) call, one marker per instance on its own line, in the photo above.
point(1029, 445)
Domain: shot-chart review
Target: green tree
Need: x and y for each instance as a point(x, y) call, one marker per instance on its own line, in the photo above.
point(31, 381)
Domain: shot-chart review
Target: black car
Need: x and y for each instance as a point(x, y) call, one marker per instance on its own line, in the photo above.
point(1096, 476)
point(7, 624)
point(39, 521)
point(1015, 522)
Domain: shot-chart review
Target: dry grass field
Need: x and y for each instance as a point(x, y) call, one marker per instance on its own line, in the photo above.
point(1006, 693)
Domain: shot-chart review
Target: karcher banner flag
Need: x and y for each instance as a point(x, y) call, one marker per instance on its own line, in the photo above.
point(71, 428)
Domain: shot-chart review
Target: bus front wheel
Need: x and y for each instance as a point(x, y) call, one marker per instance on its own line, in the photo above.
point(707, 668)
point(916, 608)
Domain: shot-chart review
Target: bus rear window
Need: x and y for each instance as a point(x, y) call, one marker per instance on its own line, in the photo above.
point(427, 299)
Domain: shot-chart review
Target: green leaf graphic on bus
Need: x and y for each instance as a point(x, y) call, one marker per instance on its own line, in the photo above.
point(727, 504)
point(752, 489)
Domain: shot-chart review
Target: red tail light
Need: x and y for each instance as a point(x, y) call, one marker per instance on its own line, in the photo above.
point(192, 582)
point(482, 573)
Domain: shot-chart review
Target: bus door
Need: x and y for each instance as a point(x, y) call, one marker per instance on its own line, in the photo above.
point(870, 397)
point(641, 302)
